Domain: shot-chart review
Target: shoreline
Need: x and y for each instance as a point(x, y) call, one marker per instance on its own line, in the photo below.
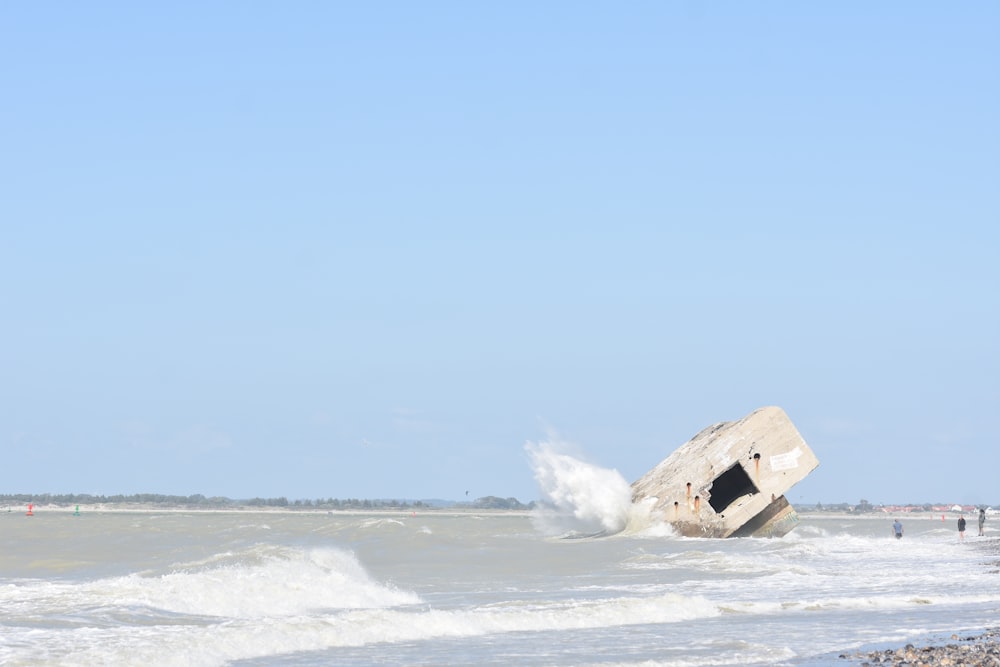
point(978, 648)
point(981, 648)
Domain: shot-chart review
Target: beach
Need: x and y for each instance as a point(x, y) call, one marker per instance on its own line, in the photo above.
point(975, 650)
point(980, 649)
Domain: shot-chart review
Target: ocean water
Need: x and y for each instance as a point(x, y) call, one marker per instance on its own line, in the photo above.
point(467, 588)
point(592, 580)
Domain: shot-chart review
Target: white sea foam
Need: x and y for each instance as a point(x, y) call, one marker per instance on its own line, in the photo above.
point(257, 583)
point(578, 497)
point(217, 644)
point(381, 523)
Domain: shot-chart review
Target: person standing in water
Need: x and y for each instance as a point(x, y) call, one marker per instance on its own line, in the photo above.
point(897, 529)
point(982, 520)
point(961, 526)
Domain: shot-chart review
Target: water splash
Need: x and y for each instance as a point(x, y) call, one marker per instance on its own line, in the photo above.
point(258, 582)
point(578, 498)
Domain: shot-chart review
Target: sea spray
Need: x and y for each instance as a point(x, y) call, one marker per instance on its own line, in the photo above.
point(578, 498)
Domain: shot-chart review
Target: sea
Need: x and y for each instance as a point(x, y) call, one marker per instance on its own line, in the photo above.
point(463, 587)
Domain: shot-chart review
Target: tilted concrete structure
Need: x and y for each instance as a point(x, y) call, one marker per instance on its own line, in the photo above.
point(730, 479)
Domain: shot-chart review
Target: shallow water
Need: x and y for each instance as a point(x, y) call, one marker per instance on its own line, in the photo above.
point(435, 588)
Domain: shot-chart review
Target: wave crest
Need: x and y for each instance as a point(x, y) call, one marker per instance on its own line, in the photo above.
point(578, 498)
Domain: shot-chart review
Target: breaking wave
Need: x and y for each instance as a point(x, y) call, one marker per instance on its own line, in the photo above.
point(578, 498)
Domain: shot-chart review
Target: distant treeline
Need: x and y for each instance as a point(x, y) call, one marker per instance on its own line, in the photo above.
point(198, 500)
point(220, 502)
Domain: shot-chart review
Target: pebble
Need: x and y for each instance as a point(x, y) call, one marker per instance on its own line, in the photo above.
point(981, 650)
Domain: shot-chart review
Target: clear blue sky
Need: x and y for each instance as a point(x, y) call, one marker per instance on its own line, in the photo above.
point(323, 249)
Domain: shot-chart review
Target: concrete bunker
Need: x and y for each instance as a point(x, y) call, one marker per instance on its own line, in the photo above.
point(710, 467)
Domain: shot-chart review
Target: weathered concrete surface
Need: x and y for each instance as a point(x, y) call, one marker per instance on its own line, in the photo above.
point(730, 479)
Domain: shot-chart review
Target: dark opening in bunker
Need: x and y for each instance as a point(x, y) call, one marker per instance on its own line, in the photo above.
point(729, 486)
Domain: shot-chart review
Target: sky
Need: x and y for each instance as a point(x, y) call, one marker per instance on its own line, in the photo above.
point(373, 250)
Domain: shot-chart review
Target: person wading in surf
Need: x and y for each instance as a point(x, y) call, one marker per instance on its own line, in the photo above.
point(897, 529)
